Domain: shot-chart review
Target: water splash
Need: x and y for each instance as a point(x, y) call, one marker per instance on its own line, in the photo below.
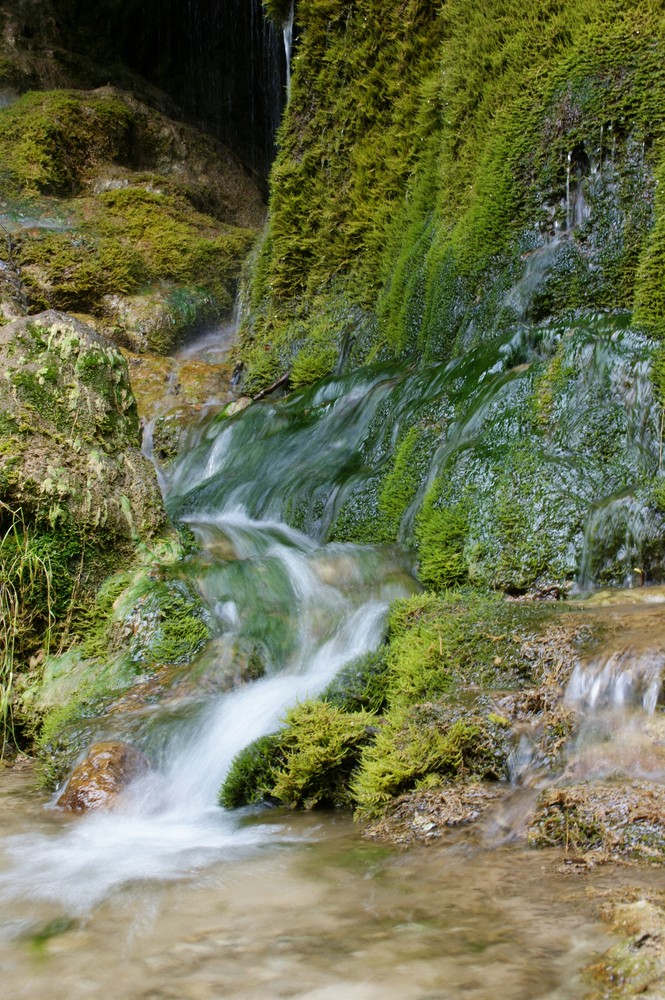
point(624, 679)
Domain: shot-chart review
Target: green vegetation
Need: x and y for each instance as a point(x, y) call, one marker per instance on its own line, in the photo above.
point(361, 685)
point(278, 10)
point(27, 618)
point(79, 500)
point(441, 645)
point(320, 747)
point(251, 776)
point(427, 159)
point(425, 746)
point(50, 141)
point(441, 532)
point(136, 625)
point(92, 225)
point(308, 763)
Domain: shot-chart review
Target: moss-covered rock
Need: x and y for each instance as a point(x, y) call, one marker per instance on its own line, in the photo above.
point(428, 744)
point(114, 211)
point(635, 965)
point(307, 764)
point(438, 708)
point(509, 173)
point(134, 641)
point(72, 430)
point(77, 497)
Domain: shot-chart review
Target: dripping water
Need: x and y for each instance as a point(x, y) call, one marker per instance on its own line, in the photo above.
point(287, 30)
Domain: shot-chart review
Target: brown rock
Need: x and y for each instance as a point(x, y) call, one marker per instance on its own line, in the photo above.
point(96, 782)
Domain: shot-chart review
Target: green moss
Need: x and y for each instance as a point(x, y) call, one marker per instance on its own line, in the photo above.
point(441, 645)
point(311, 365)
point(128, 239)
point(424, 743)
point(441, 533)
point(650, 283)
point(163, 621)
point(251, 777)
point(428, 158)
point(278, 10)
point(399, 486)
point(549, 385)
point(658, 374)
point(361, 684)
point(308, 764)
point(50, 140)
point(320, 748)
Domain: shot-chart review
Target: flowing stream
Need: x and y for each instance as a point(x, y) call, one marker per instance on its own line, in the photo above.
point(169, 895)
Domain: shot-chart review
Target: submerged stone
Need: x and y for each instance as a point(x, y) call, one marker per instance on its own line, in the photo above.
point(97, 781)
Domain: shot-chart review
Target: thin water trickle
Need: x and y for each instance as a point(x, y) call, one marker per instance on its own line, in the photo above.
point(287, 31)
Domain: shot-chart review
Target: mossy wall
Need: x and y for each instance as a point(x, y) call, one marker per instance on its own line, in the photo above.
point(447, 171)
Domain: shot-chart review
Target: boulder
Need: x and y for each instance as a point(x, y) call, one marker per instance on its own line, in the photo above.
point(97, 781)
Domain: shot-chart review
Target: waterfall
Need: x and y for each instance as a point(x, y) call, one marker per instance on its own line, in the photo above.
point(287, 30)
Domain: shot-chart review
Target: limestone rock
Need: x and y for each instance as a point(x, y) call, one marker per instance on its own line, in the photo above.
point(97, 781)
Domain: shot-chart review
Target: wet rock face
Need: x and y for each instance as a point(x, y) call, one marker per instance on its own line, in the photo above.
point(98, 780)
point(78, 497)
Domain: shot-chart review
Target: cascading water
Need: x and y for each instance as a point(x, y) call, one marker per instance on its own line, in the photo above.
point(303, 608)
point(310, 609)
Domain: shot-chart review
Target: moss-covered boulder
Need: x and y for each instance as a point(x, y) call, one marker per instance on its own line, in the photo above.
point(306, 765)
point(116, 212)
point(71, 445)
